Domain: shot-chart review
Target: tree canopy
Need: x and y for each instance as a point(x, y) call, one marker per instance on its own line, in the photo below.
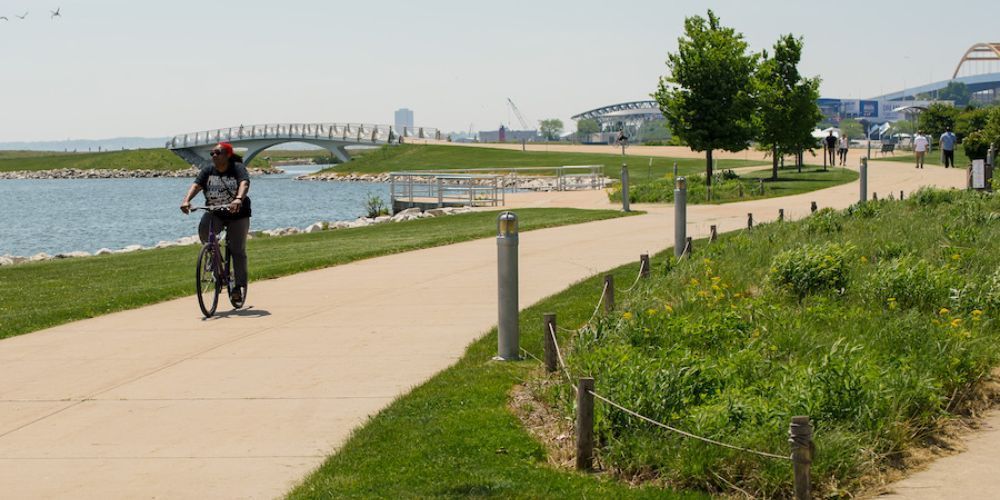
point(786, 102)
point(707, 98)
point(551, 128)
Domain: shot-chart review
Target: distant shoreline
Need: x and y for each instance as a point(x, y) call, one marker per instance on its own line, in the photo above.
point(75, 173)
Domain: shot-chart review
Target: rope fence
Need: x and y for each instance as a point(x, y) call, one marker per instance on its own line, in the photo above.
point(800, 430)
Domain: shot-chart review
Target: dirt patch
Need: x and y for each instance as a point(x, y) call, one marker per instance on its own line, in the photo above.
point(545, 424)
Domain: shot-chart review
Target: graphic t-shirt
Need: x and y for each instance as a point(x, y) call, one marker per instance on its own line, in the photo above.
point(843, 143)
point(220, 188)
point(920, 144)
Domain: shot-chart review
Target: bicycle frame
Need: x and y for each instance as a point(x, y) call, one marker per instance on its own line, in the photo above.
point(221, 272)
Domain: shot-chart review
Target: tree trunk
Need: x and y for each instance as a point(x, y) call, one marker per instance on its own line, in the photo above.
point(774, 163)
point(708, 168)
point(798, 160)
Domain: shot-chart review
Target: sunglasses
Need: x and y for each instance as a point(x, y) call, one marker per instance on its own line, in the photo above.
point(217, 152)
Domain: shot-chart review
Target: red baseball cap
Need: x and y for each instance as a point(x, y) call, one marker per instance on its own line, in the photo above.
point(225, 146)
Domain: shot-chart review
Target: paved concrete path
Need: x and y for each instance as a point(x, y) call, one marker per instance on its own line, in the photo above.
point(156, 402)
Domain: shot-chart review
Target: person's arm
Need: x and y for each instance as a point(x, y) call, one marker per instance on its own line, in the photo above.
point(192, 192)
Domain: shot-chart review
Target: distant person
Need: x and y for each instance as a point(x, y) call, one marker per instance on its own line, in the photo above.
point(843, 143)
point(225, 183)
point(920, 148)
point(831, 148)
point(947, 142)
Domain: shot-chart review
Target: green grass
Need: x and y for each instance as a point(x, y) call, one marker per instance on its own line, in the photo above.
point(454, 437)
point(138, 159)
point(43, 294)
point(414, 157)
point(932, 158)
point(848, 317)
point(745, 187)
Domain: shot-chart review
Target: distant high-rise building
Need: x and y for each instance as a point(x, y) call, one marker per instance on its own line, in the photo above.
point(404, 118)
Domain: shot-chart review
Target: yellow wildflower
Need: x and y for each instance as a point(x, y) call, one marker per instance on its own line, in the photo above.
point(716, 288)
point(695, 282)
point(737, 295)
point(956, 256)
point(666, 307)
point(864, 260)
point(627, 315)
point(957, 322)
point(892, 303)
point(651, 312)
point(943, 311)
point(977, 312)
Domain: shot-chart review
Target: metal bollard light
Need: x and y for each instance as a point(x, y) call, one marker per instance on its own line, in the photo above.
point(864, 180)
point(625, 195)
point(680, 215)
point(508, 330)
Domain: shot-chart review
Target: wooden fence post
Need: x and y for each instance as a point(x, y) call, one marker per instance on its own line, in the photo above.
point(874, 196)
point(585, 425)
point(644, 265)
point(609, 293)
point(713, 233)
point(781, 214)
point(549, 326)
point(900, 195)
point(813, 207)
point(749, 221)
point(689, 247)
point(800, 437)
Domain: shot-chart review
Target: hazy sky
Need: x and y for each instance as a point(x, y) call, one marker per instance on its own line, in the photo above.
point(137, 68)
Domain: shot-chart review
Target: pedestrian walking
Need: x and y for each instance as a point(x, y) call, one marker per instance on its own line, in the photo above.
point(831, 148)
point(843, 143)
point(947, 142)
point(921, 146)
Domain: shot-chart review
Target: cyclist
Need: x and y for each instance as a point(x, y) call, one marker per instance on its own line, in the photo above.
point(225, 183)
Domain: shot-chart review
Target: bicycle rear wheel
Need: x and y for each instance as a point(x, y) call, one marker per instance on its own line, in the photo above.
point(231, 285)
point(207, 285)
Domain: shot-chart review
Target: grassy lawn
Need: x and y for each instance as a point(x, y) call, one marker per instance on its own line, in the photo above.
point(138, 159)
point(43, 294)
point(745, 187)
point(932, 158)
point(414, 157)
point(851, 318)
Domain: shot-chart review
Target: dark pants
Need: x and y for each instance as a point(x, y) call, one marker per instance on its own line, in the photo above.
point(949, 158)
point(831, 153)
point(236, 240)
point(843, 156)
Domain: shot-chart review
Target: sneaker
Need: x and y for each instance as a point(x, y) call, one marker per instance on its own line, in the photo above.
point(237, 296)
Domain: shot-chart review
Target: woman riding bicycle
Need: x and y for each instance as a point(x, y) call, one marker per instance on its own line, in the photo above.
point(225, 184)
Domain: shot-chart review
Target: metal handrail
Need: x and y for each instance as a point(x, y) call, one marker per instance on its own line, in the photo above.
point(351, 132)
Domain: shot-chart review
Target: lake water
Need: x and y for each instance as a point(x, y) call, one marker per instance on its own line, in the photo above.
point(54, 216)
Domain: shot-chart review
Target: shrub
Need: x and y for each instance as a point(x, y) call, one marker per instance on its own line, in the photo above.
point(926, 196)
point(976, 145)
point(811, 268)
point(824, 221)
point(375, 206)
point(910, 282)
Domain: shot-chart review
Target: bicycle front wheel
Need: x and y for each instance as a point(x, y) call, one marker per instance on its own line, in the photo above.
point(207, 284)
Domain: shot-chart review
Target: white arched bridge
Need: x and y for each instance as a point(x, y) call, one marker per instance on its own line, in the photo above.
point(194, 147)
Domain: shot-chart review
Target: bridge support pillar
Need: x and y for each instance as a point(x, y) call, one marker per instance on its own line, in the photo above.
point(340, 153)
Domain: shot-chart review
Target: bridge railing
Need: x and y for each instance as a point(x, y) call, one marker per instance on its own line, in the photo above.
point(561, 178)
point(358, 133)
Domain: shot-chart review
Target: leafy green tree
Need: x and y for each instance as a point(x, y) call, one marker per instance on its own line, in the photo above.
point(654, 131)
point(937, 118)
point(971, 120)
point(992, 127)
point(587, 126)
point(955, 91)
point(786, 102)
point(707, 97)
point(551, 128)
point(851, 127)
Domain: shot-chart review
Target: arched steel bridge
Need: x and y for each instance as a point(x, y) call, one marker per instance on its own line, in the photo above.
point(194, 147)
point(980, 52)
point(624, 111)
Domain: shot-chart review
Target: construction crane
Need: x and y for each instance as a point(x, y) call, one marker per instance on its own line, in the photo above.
point(520, 117)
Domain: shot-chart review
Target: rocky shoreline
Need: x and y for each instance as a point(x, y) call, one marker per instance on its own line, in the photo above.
point(403, 216)
point(510, 181)
point(118, 173)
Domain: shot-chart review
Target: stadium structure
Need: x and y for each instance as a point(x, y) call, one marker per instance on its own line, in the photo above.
point(978, 70)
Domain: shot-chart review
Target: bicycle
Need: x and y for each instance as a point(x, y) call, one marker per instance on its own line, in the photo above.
point(213, 270)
